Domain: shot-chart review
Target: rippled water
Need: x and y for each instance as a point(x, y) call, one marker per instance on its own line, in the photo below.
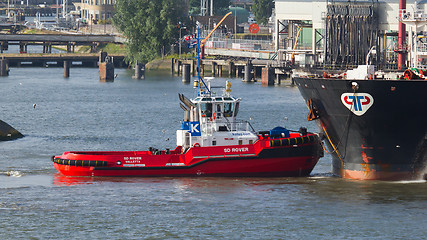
point(81, 113)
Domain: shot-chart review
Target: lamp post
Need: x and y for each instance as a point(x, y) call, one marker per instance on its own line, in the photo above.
point(57, 13)
point(105, 16)
point(235, 23)
point(180, 39)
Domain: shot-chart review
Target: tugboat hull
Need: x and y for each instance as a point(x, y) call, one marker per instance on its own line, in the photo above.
point(295, 156)
point(382, 134)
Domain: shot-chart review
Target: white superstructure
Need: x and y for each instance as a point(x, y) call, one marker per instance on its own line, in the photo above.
point(210, 120)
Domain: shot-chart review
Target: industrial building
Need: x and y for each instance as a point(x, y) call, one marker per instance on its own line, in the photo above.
point(340, 33)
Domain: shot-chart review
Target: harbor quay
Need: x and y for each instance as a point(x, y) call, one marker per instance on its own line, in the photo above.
point(270, 72)
point(271, 69)
point(105, 63)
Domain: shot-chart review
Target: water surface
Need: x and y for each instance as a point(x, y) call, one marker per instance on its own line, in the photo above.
point(81, 113)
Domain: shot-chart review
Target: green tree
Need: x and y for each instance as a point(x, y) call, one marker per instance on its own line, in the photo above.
point(262, 10)
point(149, 26)
point(194, 7)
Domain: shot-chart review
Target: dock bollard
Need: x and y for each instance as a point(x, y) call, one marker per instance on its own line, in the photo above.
point(102, 57)
point(186, 73)
point(4, 71)
point(214, 64)
point(172, 66)
point(267, 76)
point(248, 73)
point(106, 70)
point(139, 71)
point(67, 69)
point(179, 66)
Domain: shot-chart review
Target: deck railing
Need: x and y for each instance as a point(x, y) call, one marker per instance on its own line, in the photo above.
point(239, 125)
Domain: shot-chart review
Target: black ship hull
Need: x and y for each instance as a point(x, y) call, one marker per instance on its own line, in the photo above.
point(382, 134)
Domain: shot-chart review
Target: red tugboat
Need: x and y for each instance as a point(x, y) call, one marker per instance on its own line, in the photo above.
point(211, 142)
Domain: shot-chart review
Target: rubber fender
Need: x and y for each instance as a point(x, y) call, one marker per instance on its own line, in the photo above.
point(293, 141)
point(80, 163)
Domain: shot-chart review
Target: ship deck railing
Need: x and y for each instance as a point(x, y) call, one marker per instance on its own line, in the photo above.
point(236, 126)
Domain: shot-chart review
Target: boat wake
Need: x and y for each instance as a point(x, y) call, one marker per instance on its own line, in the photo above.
point(410, 181)
point(322, 175)
point(12, 173)
point(423, 174)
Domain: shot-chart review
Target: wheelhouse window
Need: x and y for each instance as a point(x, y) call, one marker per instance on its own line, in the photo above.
point(228, 109)
point(206, 109)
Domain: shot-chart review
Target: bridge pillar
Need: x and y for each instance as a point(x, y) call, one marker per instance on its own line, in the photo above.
point(231, 69)
point(214, 69)
point(219, 70)
point(68, 48)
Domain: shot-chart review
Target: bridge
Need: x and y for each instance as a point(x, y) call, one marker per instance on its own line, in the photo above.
point(48, 40)
point(45, 60)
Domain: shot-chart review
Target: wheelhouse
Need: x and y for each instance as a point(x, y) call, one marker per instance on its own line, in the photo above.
point(210, 120)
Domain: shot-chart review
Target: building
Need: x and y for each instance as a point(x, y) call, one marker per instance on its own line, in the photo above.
point(340, 31)
point(95, 10)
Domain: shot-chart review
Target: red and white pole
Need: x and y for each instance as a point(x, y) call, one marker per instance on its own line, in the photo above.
point(401, 41)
